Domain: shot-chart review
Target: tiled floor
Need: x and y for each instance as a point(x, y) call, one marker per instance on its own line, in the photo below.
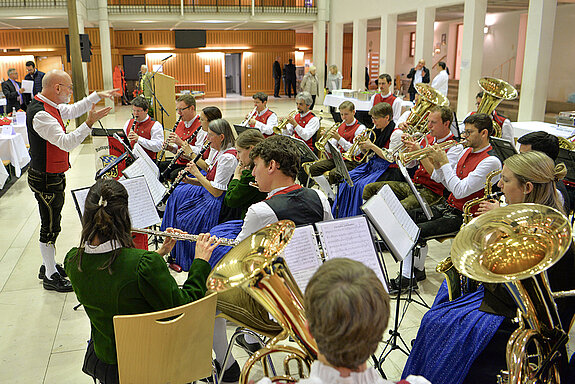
point(42, 339)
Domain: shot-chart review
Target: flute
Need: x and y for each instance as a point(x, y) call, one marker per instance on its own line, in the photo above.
point(165, 146)
point(183, 236)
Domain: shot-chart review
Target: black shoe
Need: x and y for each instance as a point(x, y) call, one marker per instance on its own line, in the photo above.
point(419, 275)
point(57, 283)
point(59, 269)
point(249, 347)
point(406, 284)
point(232, 374)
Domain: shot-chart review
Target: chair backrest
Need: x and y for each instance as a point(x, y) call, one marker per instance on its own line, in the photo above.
point(172, 346)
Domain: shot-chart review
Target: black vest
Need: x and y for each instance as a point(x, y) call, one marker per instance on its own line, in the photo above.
point(302, 206)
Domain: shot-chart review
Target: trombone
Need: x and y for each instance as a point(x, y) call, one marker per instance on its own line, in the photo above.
point(279, 128)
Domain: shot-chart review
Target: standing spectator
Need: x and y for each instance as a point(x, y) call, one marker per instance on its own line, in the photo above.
point(440, 82)
point(120, 82)
point(12, 91)
point(333, 82)
point(36, 76)
point(290, 78)
point(418, 74)
point(277, 73)
point(310, 84)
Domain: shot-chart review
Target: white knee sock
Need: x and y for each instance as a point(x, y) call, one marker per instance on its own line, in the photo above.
point(419, 262)
point(221, 342)
point(48, 252)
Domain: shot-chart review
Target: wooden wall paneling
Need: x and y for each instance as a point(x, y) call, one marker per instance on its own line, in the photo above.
point(17, 62)
point(257, 71)
point(346, 60)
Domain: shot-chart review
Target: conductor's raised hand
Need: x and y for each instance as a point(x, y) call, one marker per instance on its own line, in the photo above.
point(95, 115)
point(169, 242)
point(109, 94)
point(205, 245)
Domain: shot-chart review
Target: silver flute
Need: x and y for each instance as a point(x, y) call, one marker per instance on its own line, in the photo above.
point(183, 236)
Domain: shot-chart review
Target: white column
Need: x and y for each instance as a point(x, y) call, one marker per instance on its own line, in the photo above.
point(80, 5)
point(539, 38)
point(335, 45)
point(424, 36)
point(359, 54)
point(471, 54)
point(319, 55)
point(387, 45)
point(106, 49)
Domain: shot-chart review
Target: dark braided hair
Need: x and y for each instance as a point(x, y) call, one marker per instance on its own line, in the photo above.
point(106, 218)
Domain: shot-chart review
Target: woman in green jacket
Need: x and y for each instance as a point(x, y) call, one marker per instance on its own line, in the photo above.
point(110, 277)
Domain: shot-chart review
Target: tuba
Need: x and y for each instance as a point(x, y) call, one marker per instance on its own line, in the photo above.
point(494, 92)
point(515, 245)
point(254, 265)
point(428, 98)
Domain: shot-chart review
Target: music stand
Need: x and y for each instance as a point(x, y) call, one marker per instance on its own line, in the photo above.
point(241, 128)
point(304, 151)
point(339, 163)
point(568, 158)
point(420, 199)
point(502, 149)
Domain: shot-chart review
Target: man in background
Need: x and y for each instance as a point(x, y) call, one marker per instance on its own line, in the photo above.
point(12, 90)
point(33, 75)
point(277, 73)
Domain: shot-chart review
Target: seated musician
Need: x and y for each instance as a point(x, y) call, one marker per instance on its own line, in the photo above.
point(144, 130)
point(206, 115)
point(507, 132)
point(347, 311)
point(276, 163)
point(438, 123)
point(470, 333)
point(387, 135)
point(465, 182)
point(195, 205)
point(342, 139)
point(185, 133)
point(110, 277)
point(304, 124)
point(385, 95)
point(264, 120)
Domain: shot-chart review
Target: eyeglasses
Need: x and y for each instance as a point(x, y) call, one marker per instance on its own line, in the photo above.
point(70, 87)
point(467, 132)
point(182, 109)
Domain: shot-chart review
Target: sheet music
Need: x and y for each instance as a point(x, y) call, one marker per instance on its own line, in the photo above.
point(141, 207)
point(141, 154)
point(350, 238)
point(392, 222)
point(302, 255)
point(141, 168)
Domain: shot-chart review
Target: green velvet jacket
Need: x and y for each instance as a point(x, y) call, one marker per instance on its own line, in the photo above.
point(140, 283)
point(241, 195)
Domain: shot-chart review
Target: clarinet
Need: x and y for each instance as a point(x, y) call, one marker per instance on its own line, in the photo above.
point(179, 154)
point(181, 176)
point(165, 146)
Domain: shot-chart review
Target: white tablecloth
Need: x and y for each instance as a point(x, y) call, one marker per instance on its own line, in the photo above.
point(360, 105)
point(3, 174)
point(21, 129)
point(524, 127)
point(13, 148)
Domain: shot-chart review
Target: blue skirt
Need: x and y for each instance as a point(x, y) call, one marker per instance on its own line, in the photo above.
point(451, 336)
point(229, 230)
point(349, 199)
point(193, 209)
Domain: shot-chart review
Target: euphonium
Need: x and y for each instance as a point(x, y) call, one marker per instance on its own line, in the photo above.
point(254, 265)
point(428, 98)
point(351, 153)
point(278, 129)
point(406, 157)
point(322, 141)
point(494, 92)
point(515, 245)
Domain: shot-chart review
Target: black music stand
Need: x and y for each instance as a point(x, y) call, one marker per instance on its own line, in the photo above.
point(241, 128)
point(339, 163)
point(502, 149)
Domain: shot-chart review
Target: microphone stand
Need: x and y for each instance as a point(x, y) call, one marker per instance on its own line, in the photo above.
point(153, 90)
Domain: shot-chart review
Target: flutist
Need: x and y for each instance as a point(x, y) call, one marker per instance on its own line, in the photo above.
point(144, 130)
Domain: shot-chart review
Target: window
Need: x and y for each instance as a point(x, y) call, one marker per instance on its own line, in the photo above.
point(411, 44)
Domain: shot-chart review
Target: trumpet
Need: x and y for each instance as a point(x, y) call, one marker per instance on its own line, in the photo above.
point(183, 236)
point(368, 134)
point(392, 155)
point(322, 142)
point(246, 122)
point(424, 152)
point(278, 128)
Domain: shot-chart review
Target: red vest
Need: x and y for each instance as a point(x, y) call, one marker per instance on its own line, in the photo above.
point(263, 119)
point(467, 164)
point(185, 133)
point(212, 171)
point(57, 160)
point(143, 129)
point(422, 177)
point(380, 99)
point(348, 131)
point(302, 122)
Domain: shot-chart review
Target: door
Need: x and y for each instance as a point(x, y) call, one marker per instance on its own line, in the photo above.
point(233, 73)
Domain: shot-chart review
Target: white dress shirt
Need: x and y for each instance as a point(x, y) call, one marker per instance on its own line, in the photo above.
point(260, 214)
point(306, 132)
point(453, 153)
point(226, 163)
point(267, 128)
point(507, 132)
point(418, 78)
point(343, 143)
point(156, 140)
point(475, 181)
point(396, 106)
point(50, 129)
point(441, 82)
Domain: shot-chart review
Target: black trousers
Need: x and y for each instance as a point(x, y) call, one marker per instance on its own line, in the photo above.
point(176, 168)
point(312, 102)
point(290, 85)
point(97, 369)
point(334, 176)
point(446, 220)
point(48, 190)
point(277, 81)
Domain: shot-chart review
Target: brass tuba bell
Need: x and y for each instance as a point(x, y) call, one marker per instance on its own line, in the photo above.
point(515, 245)
point(494, 92)
point(429, 97)
point(254, 265)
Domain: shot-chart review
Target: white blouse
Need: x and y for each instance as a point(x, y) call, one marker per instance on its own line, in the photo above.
point(226, 165)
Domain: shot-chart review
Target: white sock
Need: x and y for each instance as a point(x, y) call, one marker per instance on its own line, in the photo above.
point(48, 252)
point(221, 342)
point(250, 339)
point(419, 262)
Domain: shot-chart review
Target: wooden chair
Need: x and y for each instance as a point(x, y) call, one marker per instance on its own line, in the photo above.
point(172, 346)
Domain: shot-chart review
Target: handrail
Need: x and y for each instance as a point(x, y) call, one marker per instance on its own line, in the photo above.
point(437, 62)
point(498, 71)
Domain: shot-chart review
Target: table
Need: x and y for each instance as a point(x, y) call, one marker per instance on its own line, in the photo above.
point(521, 128)
point(23, 130)
point(360, 105)
point(12, 148)
point(3, 174)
